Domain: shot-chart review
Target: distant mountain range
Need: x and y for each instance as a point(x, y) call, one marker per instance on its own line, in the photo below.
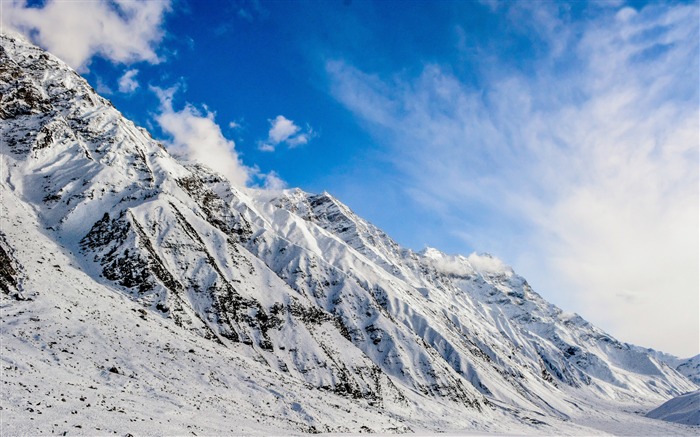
point(144, 294)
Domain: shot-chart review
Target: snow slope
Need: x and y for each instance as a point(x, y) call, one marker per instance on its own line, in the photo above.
point(683, 409)
point(168, 298)
point(690, 368)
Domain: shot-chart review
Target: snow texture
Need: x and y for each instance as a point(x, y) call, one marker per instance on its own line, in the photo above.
point(145, 295)
point(681, 409)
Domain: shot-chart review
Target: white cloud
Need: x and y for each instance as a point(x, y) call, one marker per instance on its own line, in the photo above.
point(128, 83)
point(300, 139)
point(266, 147)
point(590, 172)
point(102, 88)
point(272, 181)
point(284, 131)
point(122, 31)
point(196, 135)
point(281, 129)
point(461, 265)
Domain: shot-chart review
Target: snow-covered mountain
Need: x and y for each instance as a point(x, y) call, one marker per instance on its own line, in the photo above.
point(690, 368)
point(146, 294)
point(681, 409)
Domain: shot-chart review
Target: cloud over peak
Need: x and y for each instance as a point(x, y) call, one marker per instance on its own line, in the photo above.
point(123, 31)
point(195, 134)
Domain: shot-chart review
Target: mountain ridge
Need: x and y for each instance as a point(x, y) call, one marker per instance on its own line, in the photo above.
point(294, 282)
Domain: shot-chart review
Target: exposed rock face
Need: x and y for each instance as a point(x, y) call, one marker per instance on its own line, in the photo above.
point(294, 281)
point(9, 281)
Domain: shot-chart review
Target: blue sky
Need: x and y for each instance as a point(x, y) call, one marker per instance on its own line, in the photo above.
point(560, 136)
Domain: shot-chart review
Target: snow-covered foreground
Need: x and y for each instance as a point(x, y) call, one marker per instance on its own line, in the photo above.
point(145, 295)
point(81, 357)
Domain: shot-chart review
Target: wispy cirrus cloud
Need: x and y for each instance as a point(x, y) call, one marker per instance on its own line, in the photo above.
point(123, 31)
point(581, 168)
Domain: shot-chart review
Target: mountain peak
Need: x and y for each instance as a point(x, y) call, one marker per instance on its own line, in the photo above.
point(460, 265)
point(283, 312)
point(431, 253)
